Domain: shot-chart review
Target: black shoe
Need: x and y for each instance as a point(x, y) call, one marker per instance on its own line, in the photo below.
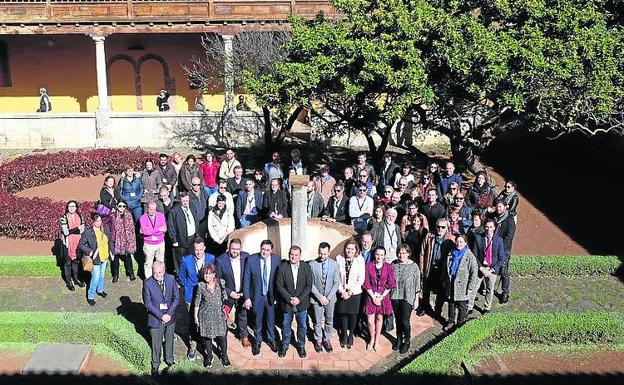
point(301, 351)
point(282, 352)
point(255, 349)
point(421, 312)
point(470, 312)
point(132, 277)
point(70, 286)
point(155, 372)
point(505, 299)
point(350, 341)
point(115, 279)
point(102, 294)
point(404, 347)
point(225, 361)
point(486, 311)
point(80, 284)
point(318, 347)
point(395, 345)
point(208, 362)
point(91, 302)
point(273, 346)
point(328, 347)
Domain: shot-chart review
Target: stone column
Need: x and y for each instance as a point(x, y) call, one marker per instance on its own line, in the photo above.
point(102, 115)
point(299, 224)
point(229, 72)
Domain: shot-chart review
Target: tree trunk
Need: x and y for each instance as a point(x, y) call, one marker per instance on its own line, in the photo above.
point(268, 133)
point(464, 156)
point(372, 148)
point(285, 129)
point(385, 139)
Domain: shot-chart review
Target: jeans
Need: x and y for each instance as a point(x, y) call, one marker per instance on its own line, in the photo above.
point(302, 327)
point(137, 212)
point(97, 280)
point(210, 190)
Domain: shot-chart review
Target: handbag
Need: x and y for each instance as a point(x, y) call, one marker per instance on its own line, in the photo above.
point(87, 263)
point(102, 210)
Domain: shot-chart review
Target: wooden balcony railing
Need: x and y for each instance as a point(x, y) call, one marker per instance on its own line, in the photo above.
point(86, 11)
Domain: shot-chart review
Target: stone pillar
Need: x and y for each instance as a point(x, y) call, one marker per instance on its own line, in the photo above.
point(102, 115)
point(299, 224)
point(229, 72)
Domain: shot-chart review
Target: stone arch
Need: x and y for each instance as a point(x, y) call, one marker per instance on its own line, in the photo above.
point(135, 69)
point(168, 81)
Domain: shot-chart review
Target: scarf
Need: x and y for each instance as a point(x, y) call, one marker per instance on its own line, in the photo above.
point(457, 257)
point(73, 221)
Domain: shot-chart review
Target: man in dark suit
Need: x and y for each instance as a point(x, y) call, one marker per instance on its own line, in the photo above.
point(337, 209)
point(230, 268)
point(181, 226)
point(326, 276)
point(248, 204)
point(490, 252)
point(506, 229)
point(259, 294)
point(161, 297)
point(293, 283)
point(387, 171)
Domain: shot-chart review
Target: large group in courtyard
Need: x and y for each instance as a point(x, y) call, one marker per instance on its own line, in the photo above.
point(418, 234)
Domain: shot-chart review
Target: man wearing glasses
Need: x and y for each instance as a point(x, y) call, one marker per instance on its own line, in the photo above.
point(465, 211)
point(364, 179)
point(336, 209)
point(360, 207)
point(436, 247)
point(447, 178)
point(222, 190)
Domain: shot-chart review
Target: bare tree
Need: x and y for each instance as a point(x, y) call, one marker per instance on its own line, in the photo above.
point(254, 55)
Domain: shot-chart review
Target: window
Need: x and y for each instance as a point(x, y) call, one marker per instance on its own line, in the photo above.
point(5, 75)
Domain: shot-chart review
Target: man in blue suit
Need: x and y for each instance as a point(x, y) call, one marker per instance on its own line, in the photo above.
point(230, 268)
point(491, 256)
point(161, 297)
point(191, 272)
point(259, 293)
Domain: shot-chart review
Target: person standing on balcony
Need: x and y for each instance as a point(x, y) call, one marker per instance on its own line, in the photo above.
point(44, 101)
point(162, 101)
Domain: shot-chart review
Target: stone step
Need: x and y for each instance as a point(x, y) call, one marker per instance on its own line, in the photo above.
point(57, 359)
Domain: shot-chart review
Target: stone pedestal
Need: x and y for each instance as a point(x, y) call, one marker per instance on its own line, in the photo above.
point(299, 211)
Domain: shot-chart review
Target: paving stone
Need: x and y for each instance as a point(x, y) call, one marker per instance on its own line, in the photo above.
point(57, 359)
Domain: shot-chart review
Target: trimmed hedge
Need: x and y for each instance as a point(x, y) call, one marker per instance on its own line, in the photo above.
point(564, 265)
point(551, 266)
point(113, 331)
point(516, 328)
point(37, 218)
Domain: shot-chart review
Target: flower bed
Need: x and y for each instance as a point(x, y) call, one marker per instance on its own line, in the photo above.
point(37, 218)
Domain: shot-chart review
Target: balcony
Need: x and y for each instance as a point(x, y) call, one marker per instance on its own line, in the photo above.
point(64, 12)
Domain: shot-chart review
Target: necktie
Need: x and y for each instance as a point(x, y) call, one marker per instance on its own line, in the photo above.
point(162, 287)
point(265, 278)
point(488, 251)
point(324, 274)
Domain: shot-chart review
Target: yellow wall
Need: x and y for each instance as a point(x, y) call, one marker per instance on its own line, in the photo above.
point(65, 65)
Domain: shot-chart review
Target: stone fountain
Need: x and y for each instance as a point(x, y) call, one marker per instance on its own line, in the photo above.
point(299, 230)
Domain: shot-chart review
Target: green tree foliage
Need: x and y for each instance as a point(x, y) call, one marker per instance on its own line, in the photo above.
point(471, 70)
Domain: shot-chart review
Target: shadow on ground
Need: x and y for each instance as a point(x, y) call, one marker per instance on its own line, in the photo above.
point(574, 180)
point(313, 378)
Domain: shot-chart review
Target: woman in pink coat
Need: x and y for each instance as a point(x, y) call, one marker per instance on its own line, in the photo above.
point(378, 281)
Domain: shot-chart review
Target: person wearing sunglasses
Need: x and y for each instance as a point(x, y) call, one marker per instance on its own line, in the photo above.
point(360, 207)
point(222, 190)
point(510, 197)
point(337, 206)
point(124, 240)
point(436, 246)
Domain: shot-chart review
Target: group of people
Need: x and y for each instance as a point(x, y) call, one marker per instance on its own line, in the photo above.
point(432, 231)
